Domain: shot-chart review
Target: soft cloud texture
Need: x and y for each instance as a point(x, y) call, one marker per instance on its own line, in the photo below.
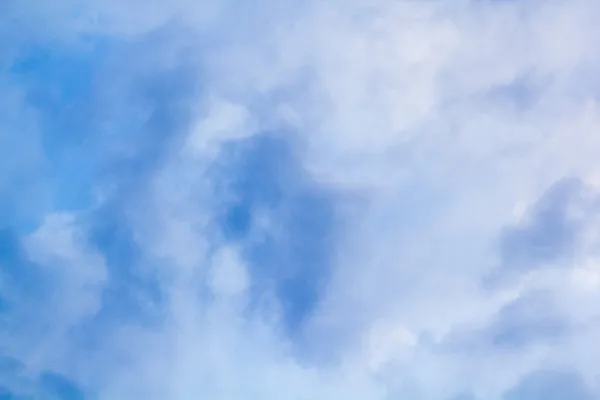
point(307, 200)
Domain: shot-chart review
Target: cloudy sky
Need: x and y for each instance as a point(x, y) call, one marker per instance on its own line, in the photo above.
point(304, 200)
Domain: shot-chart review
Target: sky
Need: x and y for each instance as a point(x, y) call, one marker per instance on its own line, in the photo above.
point(304, 200)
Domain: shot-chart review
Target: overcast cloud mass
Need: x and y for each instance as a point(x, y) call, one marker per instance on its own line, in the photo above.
point(303, 200)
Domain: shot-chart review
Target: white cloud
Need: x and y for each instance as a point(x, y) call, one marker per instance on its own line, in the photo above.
point(223, 121)
point(229, 276)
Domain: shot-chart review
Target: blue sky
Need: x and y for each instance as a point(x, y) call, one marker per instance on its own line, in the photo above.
point(302, 200)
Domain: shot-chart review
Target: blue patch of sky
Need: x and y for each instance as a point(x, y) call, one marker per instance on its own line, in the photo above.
point(526, 321)
point(550, 385)
point(292, 257)
point(130, 291)
point(17, 383)
point(530, 320)
point(59, 84)
point(23, 190)
point(25, 285)
point(522, 93)
point(56, 386)
point(549, 235)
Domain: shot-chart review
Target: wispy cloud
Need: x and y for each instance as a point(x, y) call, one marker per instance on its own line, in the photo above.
point(358, 199)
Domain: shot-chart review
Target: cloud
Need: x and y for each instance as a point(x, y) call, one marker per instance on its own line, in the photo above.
point(370, 200)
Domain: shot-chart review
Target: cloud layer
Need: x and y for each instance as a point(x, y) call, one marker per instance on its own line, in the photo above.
point(305, 200)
